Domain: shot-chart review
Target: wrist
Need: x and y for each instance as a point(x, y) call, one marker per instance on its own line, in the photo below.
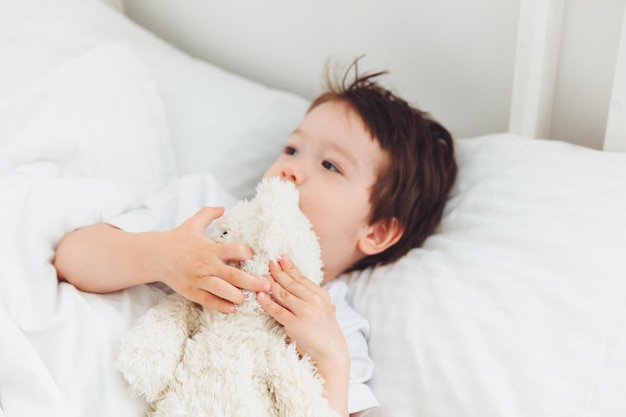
point(152, 257)
point(336, 374)
point(338, 364)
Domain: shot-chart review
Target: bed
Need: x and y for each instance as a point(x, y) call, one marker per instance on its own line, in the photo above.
point(516, 306)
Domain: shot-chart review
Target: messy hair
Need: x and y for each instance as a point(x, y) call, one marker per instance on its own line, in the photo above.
point(412, 187)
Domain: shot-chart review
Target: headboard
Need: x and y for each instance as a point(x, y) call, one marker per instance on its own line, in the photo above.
point(542, 68)
point(536, 69)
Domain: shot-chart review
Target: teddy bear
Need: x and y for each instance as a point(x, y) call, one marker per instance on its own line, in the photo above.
point(187, 360)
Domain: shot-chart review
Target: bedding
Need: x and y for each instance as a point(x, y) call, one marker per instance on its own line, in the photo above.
point(516, 306)
point(79, 159)
point(216, 120)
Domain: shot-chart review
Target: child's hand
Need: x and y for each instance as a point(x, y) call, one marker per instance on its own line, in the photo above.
point(197, 267)
point(308, 316)
point(102, 258)
point(306, 312)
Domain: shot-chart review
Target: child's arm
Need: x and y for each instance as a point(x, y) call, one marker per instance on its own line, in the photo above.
point(102, 258)
point(308, 316)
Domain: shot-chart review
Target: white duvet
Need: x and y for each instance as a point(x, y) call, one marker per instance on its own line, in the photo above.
point(78, 146)
point(55, 358)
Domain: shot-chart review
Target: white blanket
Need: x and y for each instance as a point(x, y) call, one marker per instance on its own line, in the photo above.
point(76, 147)
point(58, 342)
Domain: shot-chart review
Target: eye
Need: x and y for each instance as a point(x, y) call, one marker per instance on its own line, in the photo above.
point(330, 166)
point(290, 150)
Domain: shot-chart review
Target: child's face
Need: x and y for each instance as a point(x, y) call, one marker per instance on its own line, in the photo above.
point(334, 162)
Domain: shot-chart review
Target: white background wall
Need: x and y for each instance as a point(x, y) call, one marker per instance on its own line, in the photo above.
point(453, 58)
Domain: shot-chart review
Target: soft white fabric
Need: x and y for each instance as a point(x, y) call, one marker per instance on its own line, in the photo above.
point(74, 114)
point(173, 204)
point(219, 122)
point(517, 306)
point(91, 149)
point(56, 355)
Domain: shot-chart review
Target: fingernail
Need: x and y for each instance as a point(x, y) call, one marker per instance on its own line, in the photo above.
point(267, 287)
point(261, 296)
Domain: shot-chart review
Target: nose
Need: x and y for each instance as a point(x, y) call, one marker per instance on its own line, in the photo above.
point(292, 172)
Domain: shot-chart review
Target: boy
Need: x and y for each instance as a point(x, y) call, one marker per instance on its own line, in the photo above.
point(373, 175)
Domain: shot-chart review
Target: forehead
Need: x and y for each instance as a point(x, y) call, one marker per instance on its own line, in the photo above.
point(334, 114)
point(339, 125)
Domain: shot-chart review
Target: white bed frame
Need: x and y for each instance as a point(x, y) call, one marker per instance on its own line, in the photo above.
point(615, 137)
point(535, 72)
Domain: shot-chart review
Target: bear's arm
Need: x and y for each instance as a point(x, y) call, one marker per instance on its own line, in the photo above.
point(150, 351)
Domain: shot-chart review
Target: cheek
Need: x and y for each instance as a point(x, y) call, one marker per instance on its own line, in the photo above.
point(320, 214)
point(337, 217)
point(332, 221)
point(317, 213)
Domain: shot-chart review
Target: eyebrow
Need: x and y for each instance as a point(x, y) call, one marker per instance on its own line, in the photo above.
point(335, 146)
point(345, 153)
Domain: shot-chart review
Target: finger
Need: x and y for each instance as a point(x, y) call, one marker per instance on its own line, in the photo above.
point(281, 295)
point(288, 266)
point(278, 312)
point(241, 280)
point(221, 289)
point(234, 251)
point(204, 217)
point(288, 282)
point(213, 302)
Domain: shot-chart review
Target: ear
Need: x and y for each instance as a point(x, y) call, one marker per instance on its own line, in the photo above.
point(380, 235)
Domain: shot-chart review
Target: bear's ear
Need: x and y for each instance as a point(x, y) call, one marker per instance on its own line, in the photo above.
point(380, 236)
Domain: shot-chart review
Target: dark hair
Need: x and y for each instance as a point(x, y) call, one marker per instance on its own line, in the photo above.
point(413, 186)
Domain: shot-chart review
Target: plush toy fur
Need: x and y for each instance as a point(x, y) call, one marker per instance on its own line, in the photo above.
point(186, 360)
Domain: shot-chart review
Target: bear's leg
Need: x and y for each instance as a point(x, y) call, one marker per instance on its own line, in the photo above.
point(298, 389)
point(150, 351)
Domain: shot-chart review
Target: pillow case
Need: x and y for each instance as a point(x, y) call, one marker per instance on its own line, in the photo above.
point(218, 122)
point(516, 305)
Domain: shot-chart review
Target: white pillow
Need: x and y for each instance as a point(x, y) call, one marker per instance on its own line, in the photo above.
point(98, 115)
point(218, 122)
point(517, 305)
